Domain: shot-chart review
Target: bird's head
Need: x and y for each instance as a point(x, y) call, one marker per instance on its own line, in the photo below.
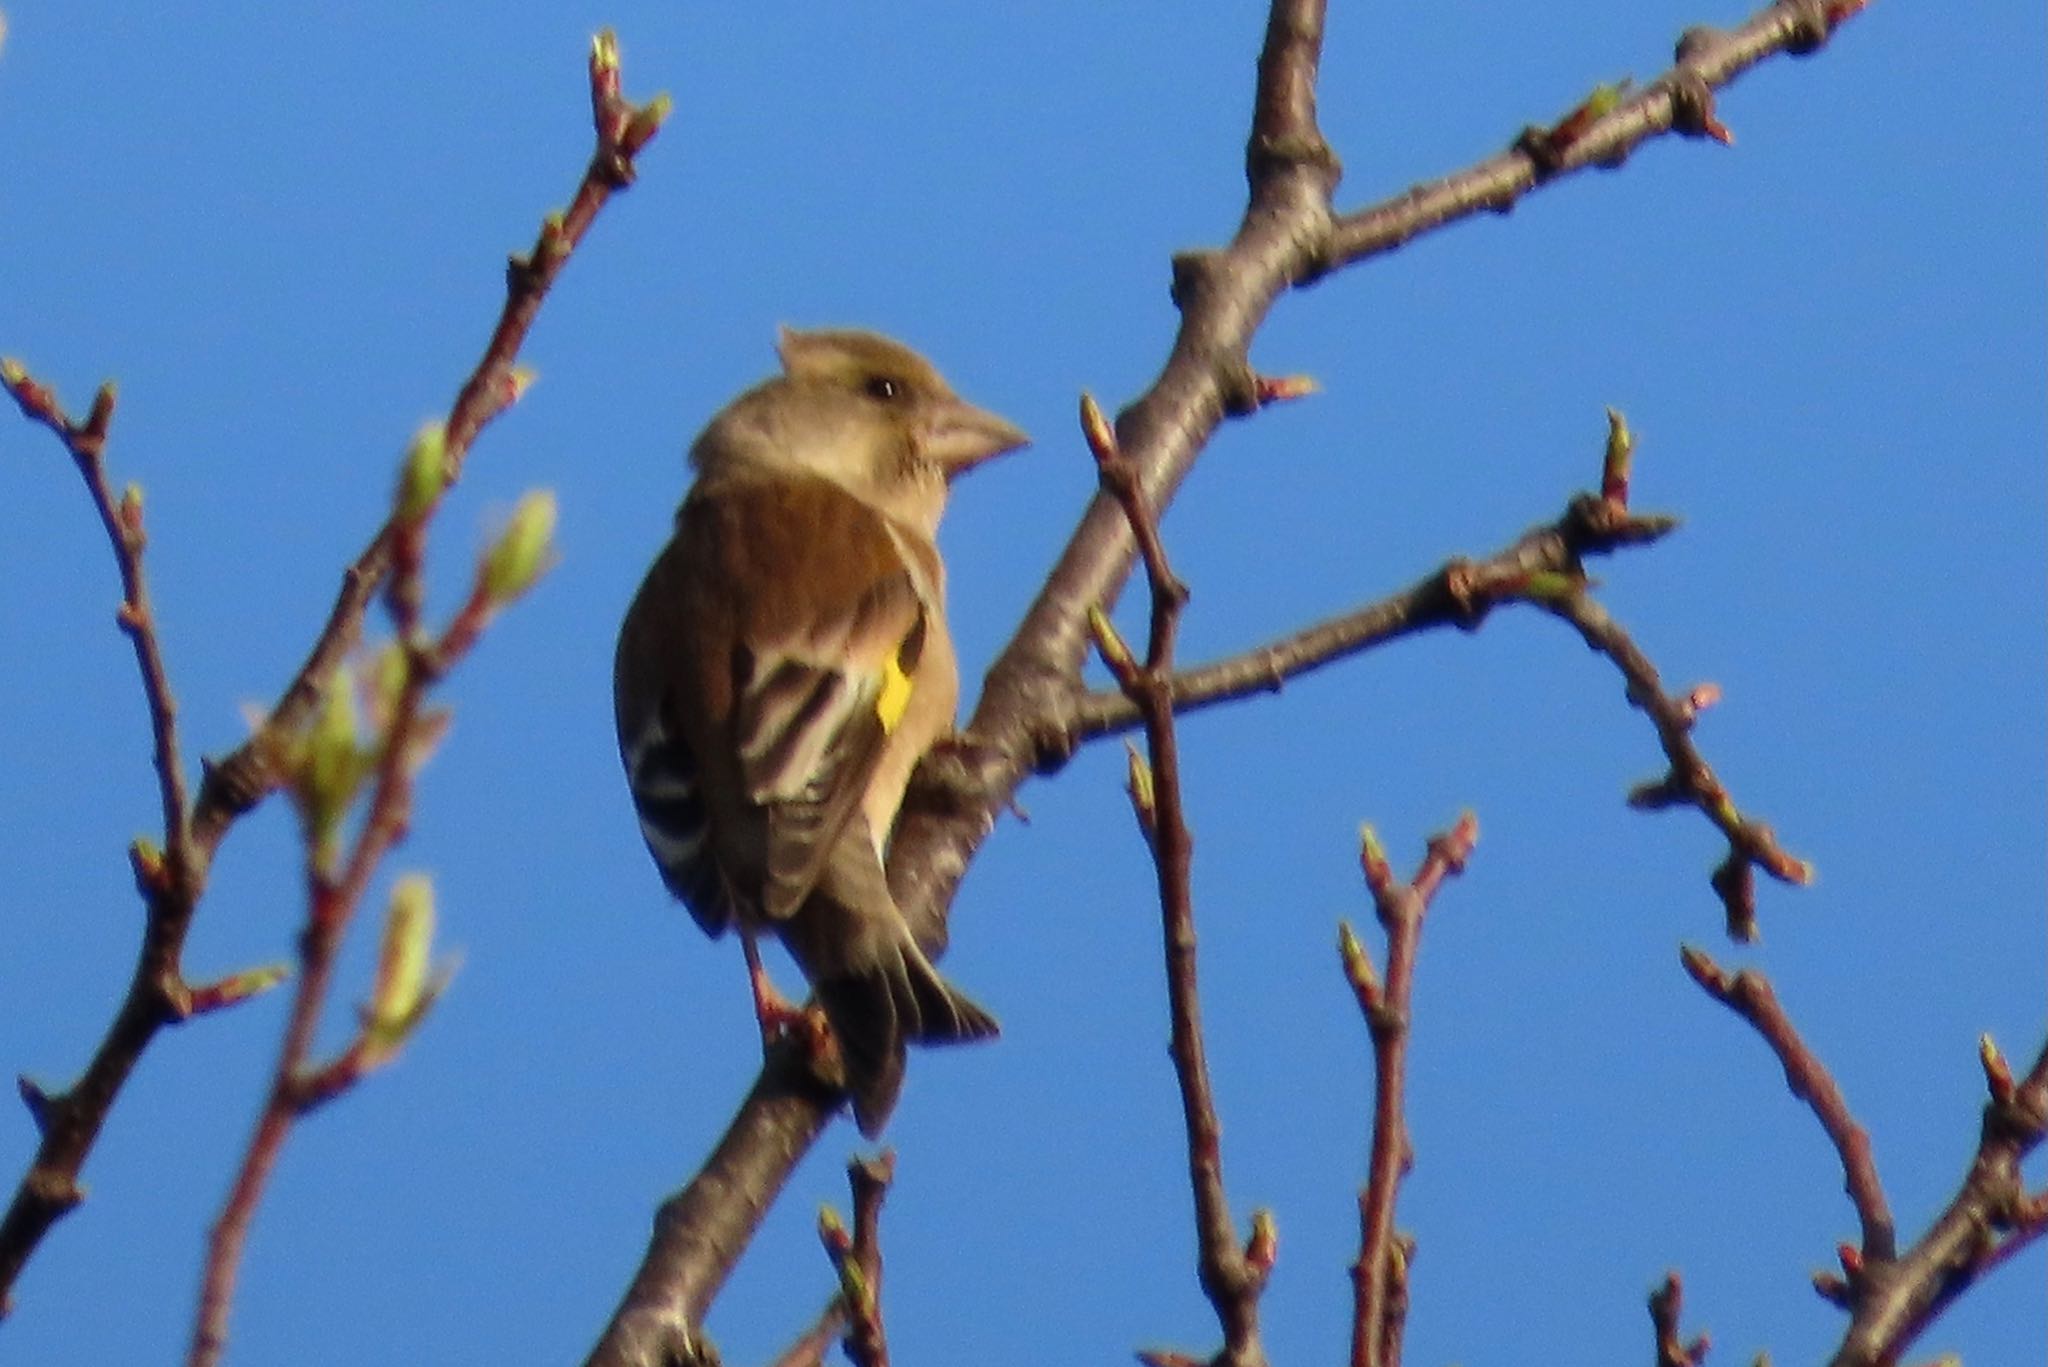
point(865, 412)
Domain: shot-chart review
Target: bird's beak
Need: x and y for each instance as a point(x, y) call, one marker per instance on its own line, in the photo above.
point(957, 436)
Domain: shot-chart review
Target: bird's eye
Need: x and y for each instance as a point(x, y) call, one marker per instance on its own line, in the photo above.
point(883, 389)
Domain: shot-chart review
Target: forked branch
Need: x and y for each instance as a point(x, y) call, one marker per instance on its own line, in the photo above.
point(1891, 1295)
point(1379, 1279)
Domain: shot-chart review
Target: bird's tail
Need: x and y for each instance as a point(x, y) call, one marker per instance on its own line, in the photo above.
point(879, 1007)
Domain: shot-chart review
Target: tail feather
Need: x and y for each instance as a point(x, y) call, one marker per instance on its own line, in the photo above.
point(875, 1012)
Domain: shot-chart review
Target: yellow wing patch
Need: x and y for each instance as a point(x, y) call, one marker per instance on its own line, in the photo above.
point(894, 698)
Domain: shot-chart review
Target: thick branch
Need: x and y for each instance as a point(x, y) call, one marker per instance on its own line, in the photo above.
point(700, 1232)
point(1287, 238)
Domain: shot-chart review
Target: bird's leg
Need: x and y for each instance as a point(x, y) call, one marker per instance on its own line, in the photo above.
point(782, 1019)
point(774, 1011)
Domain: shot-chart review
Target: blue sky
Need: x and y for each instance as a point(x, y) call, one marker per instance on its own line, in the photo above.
point(282, 229)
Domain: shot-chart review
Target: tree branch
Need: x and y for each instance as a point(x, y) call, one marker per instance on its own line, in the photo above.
point(70, 1121)
point(240, 780)
point(1459, 594)
point(1287, 238)
point(325, 769)
point(1892, 1297)
point(1990, 1218)
point(1380, 1274)
point(857, 1259)
point(1231, 1277)
point(1667, 1303)
point(172, 880)
point(1748, 994)
point(1681, 100)
point(1690, 781)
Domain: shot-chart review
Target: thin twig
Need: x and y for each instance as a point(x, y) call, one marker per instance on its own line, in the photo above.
point(1459, 594)
point(173, 879)
point(857, 1259)
point(70, 1120)
point(1284, 240)
point(336, 886)
point(1545, 568)
point(238, 781)
point(810, 1347)
point(1690, 781)
point(1681, 100)
point(1667, 1305)
point(1231, 1279)
point(1379, 1277)
point(1893, 1296)
point(86, 442)
point(1748, 994)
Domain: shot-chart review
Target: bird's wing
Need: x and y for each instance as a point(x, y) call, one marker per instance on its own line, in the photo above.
point(671, 790)
point(822, 677)
point(773, 645)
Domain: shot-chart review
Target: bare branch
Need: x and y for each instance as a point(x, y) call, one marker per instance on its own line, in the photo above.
point(1230, 1276)
point(1544, 568)
point(1690, 781)
point(1287, 238)
point(70, 1121)
point(1893, 1296)
point(1379, 1279)
point(1748, 994)
point(1681, 100)
point(857, 1259)
point(1460, 594)
point(1990, 1218)
point(1667, 1303)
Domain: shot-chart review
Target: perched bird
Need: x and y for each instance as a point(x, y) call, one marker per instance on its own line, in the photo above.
point(785, 665)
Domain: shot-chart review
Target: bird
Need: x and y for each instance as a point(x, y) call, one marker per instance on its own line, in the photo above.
point(783, 667)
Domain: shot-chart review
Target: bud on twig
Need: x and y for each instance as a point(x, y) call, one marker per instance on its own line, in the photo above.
point(1997, 1072)
point(1358, 969)
point(645, 123)
point(523, 551)
point(1116, 652)
point(1372, 858)
point(1283, 388)
point(236, 987)
point(1095, 427)
point(327, 763)
point(424, 474)
point(404, 988)
point(1614, 469)
point(1138, 782)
